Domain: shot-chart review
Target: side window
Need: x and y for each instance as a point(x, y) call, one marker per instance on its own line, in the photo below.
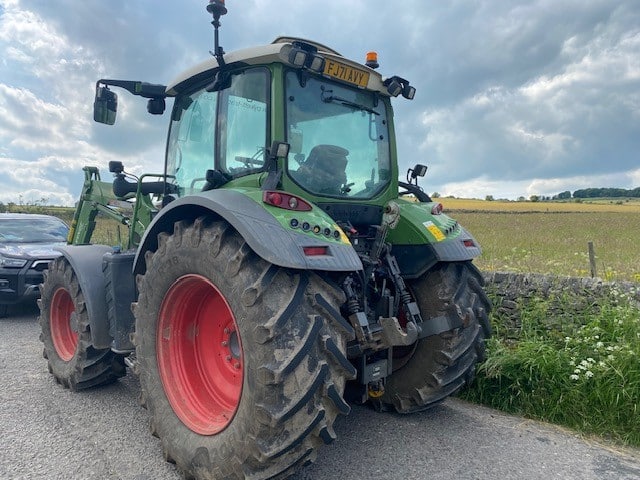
point(237, 146)
point(243, 122)
point(191, 147)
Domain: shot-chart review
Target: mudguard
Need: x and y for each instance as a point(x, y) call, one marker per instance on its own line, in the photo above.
point(423, 239)
point(261, 230)
point(86, 261)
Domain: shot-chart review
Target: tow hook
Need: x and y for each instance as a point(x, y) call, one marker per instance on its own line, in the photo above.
point(393, 333)
point(375, 389)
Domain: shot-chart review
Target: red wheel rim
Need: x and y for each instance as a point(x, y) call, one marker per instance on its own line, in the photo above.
point(199, 355)
point(64, 335)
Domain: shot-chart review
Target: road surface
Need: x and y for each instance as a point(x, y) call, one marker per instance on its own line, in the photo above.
point(48, 432)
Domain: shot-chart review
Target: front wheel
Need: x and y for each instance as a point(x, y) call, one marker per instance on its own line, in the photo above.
point(242, 363)
point(439, 365)
point(66, 335)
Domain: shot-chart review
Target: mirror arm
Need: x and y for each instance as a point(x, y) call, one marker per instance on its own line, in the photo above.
point(143, 89)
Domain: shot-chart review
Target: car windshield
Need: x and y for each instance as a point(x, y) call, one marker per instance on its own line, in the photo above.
point(339, 138)
point(32, 230)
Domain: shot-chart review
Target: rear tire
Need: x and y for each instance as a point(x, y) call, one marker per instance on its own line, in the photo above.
point(242, 363)
point(66, 335)
point(440, 365)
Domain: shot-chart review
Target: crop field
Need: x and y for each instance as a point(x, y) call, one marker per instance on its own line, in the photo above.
point(553, 238)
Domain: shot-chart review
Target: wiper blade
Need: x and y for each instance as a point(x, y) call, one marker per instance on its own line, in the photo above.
point(347, 103)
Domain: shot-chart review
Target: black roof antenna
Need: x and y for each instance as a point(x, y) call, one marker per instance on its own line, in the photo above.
point(217, 9)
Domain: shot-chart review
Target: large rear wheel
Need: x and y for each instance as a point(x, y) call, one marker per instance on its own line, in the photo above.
point(66, 334)
point(439, 365)
point(242, 363)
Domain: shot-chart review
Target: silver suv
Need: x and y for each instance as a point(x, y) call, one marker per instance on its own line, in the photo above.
point(27, 244)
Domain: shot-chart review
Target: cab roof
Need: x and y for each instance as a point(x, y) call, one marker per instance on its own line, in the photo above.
point(277, 51)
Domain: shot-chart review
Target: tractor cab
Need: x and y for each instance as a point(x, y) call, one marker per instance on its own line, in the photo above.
point(333, 113)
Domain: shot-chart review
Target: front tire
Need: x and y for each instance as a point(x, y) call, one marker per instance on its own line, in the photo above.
point(439, 365)
point(66, 335)
point(242, 363)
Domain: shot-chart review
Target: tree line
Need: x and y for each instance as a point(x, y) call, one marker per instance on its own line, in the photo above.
point(598, 193)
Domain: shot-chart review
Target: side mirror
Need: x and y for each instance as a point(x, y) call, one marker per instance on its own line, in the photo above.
point(105, 106)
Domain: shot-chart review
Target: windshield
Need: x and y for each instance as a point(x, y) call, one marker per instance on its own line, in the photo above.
point(32, 230)
point(339, 139)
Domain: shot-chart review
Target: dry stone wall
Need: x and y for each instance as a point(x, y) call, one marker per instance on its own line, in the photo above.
point(512, 290)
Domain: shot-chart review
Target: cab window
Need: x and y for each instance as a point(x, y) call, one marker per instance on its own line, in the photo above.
point(339, 139)
point(237, 146)
point(243, 123)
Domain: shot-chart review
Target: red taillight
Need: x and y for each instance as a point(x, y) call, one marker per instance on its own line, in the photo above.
point(315, 251)
point(468, 243)
point(286, 201)
point(437, 209)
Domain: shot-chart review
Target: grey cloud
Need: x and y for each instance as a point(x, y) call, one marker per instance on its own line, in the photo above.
point(511, 91)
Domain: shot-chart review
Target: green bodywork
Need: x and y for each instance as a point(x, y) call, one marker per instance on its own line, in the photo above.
point(134, 212)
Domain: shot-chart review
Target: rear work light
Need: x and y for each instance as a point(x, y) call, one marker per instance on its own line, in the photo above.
point(285, 200)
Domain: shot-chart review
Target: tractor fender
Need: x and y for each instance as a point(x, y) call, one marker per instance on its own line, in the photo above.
point(86, 261)
point(461, 248)
point(261, 230)
point(415, 260)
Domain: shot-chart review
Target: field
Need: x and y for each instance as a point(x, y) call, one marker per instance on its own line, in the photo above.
point(550, 237)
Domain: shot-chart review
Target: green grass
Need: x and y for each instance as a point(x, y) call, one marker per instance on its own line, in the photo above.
point(581, 371)
point(557, 242)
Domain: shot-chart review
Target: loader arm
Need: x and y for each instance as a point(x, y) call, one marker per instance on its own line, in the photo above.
point(98, 196)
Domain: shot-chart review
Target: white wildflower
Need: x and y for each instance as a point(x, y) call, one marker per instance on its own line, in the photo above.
point(574, 377)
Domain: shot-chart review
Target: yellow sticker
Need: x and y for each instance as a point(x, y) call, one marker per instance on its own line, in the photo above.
point(435, 231)
point(343, 236)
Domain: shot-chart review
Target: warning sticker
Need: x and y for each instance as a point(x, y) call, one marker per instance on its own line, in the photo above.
point(435, 231)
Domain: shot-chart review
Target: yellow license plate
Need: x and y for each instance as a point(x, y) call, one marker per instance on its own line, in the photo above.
point(346, 73)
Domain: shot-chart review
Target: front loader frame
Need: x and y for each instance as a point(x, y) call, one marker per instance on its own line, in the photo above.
point(135, 210)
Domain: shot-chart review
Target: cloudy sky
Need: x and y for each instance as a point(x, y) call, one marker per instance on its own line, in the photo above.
point(514, 98)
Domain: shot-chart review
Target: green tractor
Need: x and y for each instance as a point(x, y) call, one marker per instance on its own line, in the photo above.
point(276, 272)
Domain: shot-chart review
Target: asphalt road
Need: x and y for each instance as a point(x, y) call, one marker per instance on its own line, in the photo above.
point(47, 432)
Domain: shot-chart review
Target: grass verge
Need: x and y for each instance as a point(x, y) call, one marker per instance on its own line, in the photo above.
point(582, 371)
